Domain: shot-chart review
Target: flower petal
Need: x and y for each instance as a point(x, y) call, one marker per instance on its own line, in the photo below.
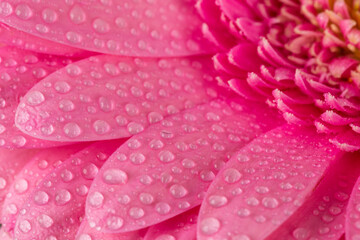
point(19, 71)
point(131, 28)
point(56, 205)
point(352, 213)
point(85, 232)
point(264, 182)
point(26, 180)
point(13, 37)
point(166, 170)
point(134, 93)
point(11, 162)
point(322, 216)
point(181, 227)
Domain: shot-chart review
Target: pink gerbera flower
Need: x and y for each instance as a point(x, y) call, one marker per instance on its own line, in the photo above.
point(115, 124)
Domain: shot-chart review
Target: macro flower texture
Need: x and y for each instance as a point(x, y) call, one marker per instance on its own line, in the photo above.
point(179, 119)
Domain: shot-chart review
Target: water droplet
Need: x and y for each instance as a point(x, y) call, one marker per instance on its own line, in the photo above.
point(66, 175)
point(231, 175)
point(23, 11)
point(90, 171)
point(165, 237)
point(77, 15)
point(166, 156)
point(301, 233)
point(96, 199)
point(217, 200)
point(62, 197)
point(66, 105)
point(21, 186)
point(270, 202)
point(137, 158)
point(101, 26)
point(114, 223)
point(49, 15)
point(45, 221)
point(41, 198)
point(72, 130)
point(136, 212)
point(5, 9)
point(178, 191)
point(115, 176)
point(25, 226)
point(73, 37)
point(101, 127)
point(3, 183)
point(162, 208)
point(35, 98)
point(62, 87)
point(210, 226)
point(146, 198)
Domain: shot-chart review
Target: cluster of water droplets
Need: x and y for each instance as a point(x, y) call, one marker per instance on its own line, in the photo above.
point(166, 169)
point(135, 93)
point(131, 27)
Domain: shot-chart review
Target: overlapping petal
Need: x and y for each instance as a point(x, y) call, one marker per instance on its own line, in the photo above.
point(264, 183)
point(56, 206)
point(19, 71)
point(166, 170)
point(68, 105)
point(131, 28)
point(27, 179)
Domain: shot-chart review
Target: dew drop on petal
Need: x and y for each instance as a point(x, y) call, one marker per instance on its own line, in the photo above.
point(210, 226)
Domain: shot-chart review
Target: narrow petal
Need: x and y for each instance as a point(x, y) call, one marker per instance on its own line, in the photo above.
point(181, 227)
point(347, 140)
point(135, 93)
point(264, 183)
point(166, 170)
point(13, 37)
point(322, 216)
point(56, 205)
point(131, 28)
point(87, 233)
point(19, 71)
point(11, 162)
point(27, 179)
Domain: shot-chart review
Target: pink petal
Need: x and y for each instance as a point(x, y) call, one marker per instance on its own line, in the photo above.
point(235, 9)
point(347, 141)
point(13, 37)
point(322, 216)
point(85, 232)
point(132, 28)
point(166, 170)
point(27, 179)
point(19, 71)
point(181, 227)
point(56, 205)
point(11, 162)
point(244, 56)
point(135, 93)
point(263, 183)
point(352, 213)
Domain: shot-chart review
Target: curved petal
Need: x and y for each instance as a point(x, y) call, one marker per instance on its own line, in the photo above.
point(85, 232)
point(166, 170)
point(19, 71)
point(13, 37)
point(181, 227)
point(322, 215)
point(264, 183)
point(11, 162)
point(55, 207)
point(26, 180)
point(135, 93)
point(132, 28)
